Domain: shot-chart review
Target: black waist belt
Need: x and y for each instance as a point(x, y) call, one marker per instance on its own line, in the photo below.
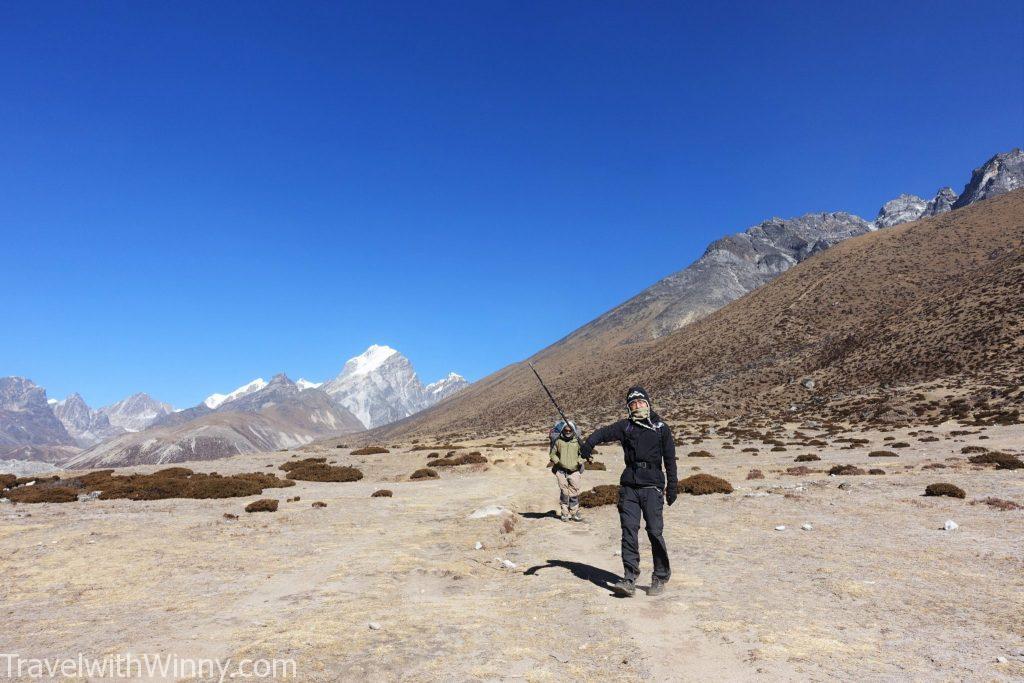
point(641, 465)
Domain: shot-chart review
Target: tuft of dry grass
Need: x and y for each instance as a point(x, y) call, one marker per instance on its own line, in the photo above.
point(999, 504)
point(424, 473)
point(382, 493)
point(704, 484)
point(883, 454)
point(319, 504)
point(755, 474)
point(809, 457)
point(699, 454)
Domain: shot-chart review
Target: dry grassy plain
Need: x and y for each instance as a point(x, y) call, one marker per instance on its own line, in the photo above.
point(875, 591)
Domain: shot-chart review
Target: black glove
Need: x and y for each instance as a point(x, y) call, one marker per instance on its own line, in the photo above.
point(671, 495)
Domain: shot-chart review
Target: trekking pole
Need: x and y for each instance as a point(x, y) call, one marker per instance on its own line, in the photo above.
point(557, 407)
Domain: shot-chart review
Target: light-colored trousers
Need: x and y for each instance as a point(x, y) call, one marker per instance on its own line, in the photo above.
point(569, 485)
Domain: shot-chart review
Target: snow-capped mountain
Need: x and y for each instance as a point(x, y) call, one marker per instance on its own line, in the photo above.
point(136, 412)
point(380, 386)
point(87, 426)
point(279, 415)
point(214, 400)
point(443, 388)
point(306, 384)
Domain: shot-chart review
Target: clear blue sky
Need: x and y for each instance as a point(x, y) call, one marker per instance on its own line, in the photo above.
point(195, 194)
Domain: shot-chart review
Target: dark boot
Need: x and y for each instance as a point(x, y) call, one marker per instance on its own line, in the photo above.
point(657, 587)
point(624, 587)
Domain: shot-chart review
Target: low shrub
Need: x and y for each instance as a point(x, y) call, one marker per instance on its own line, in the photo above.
point(1002, 461)
point(755, 474)
point(778, 449)
point(605, 494)
point(934, 466)
point(7, 480)
point(321, 472)
point(699, 454)
point(882, 454)
point(846, 469)
point(382, 493)
point(876, 470)
point(370, 450)
point(809, 457)
point(944, 489)
point(750, 450)
point(704, 484)
point(170, 472)
point(973, 449)
point(899, 444)
point(999, 504)
point(319, 504)
point(424, 473)
point(262, 505)
point(42, 494)
point(798, 471)
point(473, 458)
point(305, 462)
point(266, 480)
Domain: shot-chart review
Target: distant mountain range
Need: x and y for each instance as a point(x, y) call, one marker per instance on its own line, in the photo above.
point(379, 385)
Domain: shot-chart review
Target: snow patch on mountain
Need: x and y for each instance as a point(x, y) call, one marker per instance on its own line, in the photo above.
point(306, 384)
point(214, 400)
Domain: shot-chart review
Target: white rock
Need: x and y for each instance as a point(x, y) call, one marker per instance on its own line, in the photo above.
point(781, 527)
point(374, 626)
point(1001, 660)
point(950, 525)
point(806, 526)
point(489, 511)
point(5, 501)
point(479, 545)
point(508, 564)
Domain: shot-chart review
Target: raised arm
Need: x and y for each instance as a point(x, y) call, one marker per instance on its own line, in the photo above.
point(607, 434)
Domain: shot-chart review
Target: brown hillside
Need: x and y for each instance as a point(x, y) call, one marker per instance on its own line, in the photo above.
point(939, 300)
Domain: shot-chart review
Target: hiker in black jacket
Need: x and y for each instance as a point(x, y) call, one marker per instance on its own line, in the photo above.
point(647, 444)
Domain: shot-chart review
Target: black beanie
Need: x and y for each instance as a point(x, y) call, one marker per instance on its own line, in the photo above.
point(635, 393)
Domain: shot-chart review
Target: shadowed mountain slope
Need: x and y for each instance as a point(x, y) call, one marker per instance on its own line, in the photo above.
point(936, 299)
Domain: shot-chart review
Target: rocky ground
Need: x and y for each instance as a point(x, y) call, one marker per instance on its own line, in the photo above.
point(396, 588)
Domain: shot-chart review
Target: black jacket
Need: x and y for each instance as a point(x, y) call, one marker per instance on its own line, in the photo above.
point(645, 451)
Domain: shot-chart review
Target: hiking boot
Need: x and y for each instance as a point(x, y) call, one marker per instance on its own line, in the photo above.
point(566, 518)
point(624, 587)
point(576, 517)
point(657, 587)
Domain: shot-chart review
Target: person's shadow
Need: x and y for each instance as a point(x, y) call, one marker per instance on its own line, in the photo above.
point(539, 515)
point(601, 578)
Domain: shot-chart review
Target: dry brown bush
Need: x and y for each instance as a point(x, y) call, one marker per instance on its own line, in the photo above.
point(798, 471)
point(382, 493)
point(876, 470)
point(370, 450)
point(1002, 461)
point(943, 489)
point(7, 480)
point(262, 505)
point(999, 504)
point(973, 449)
point(883, 454)
point(171, 472)
point(473, 458)
point(699, 454)
point(424, 473)
point(755, 474)
point(593, 465)
point(605, 494)
point(319, 504)
point(846, 469)
point(333, 473)
point(809, 457)
point(42, 494)
point(704, 484)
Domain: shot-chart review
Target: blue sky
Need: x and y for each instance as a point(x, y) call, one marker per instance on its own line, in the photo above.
point(196, 194)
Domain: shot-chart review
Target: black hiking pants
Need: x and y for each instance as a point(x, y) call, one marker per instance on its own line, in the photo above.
point(648, 501)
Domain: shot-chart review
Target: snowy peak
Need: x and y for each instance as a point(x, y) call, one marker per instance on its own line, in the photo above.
point(304, 384)
point(368, 361)
point(136, 412)
point(215, 400)
point(443, 388)
point(380, 386)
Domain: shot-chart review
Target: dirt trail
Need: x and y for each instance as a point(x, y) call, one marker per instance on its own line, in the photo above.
point(876, 591)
